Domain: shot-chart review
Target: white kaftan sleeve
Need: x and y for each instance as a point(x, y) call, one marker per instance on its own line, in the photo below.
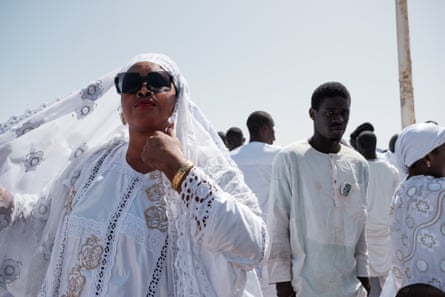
point(361, 255)
point(216, 235)
point(279, 252)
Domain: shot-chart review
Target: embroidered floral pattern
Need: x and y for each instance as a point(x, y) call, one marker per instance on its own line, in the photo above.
point(89, 258)
point(47, 248)
point(78, 151)
point(69, 198)
point(86, 109)
point(5, 217)
point(9, 271)
point(92, 91)
point(156, 215)
point(428, 240)
point(26, 127)
point(155, 192)
point(417, 231)
point(91, 252)
point(76, 282)
point(437, 283)
point(40, 211)
point(32, 160)
point(423, 206)
point(72, 191)
point(5, 127)
point(156, 218)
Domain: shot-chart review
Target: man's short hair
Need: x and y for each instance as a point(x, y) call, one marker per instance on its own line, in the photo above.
point(328, 90)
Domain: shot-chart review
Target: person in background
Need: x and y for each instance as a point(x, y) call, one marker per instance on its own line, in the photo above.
point(417, 232)
point(154, 206)
point(390, 156)
point(420, 290)
point(234, 138)
point(383, 181)
point(317, 207)
point(222, 135)
point(255, 161)
point(366, 126)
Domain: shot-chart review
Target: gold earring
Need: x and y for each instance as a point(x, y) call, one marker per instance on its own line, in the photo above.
point(124, 122)
point(428, 164)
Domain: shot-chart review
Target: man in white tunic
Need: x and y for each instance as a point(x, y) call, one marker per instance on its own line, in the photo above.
point(317, 207)
point(255, 161)
point(383, 182)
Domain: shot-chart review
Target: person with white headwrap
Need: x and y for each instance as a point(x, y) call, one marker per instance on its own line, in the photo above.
point(152, 206)
point(418, 229)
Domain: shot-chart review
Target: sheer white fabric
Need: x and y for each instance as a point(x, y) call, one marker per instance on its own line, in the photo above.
point(38, 145)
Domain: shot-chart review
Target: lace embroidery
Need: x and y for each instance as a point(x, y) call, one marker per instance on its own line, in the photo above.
point(93, 174)
point(197, 196)
point(90, 255)
point(110, 236)
point(160, 264)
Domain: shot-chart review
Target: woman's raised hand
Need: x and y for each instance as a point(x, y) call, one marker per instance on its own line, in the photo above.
point(163, 151)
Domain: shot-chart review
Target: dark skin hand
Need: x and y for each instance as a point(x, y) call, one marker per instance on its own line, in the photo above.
point(285, 289)
point(365, 282)
point(162, 151)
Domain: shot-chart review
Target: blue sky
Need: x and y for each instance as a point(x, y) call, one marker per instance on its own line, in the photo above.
point(237, 55)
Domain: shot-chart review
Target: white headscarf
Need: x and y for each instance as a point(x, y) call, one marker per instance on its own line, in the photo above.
point(416, 141)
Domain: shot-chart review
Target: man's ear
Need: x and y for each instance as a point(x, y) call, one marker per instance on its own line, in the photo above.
point(312, 113)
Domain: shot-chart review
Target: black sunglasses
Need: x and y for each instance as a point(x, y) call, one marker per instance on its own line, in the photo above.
point(131, 82)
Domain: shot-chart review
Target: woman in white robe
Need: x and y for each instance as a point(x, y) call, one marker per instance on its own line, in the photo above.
point(418, 230)
point(152, 206)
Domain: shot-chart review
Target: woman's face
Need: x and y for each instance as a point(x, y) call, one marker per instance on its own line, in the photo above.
point(146, 111)
point(437, 161)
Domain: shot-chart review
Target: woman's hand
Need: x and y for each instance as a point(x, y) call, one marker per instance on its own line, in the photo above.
point(163, 151)
point(6, 198)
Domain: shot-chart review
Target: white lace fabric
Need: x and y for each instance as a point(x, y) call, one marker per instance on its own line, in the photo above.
point(36, 147)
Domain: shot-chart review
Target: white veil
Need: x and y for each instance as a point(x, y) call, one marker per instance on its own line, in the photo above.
point(36, 146)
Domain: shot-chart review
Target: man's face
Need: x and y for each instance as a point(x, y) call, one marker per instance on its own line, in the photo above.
point(331, 119)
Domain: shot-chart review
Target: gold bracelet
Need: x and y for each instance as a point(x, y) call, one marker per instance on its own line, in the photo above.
point(179, 175)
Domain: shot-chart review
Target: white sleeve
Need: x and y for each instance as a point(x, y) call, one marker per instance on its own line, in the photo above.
point(222, 223)
point(279, 253)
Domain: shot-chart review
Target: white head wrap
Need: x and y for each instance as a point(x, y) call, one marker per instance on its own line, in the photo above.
point(416, 141)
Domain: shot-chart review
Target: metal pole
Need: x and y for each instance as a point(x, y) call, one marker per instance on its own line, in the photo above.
point(405, 74)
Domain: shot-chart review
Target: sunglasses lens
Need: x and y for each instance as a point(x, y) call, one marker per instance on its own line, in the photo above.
point(157, 81)
point(131, 82)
